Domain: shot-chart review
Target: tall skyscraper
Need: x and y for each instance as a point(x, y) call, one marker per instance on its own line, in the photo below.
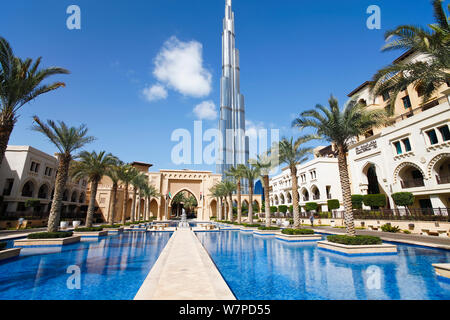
point(234, 145)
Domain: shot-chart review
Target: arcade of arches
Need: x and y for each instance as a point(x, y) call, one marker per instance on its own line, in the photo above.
point(174, 182)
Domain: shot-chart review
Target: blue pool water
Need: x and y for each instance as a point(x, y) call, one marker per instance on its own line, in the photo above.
point(264, 268)
point(112, 268)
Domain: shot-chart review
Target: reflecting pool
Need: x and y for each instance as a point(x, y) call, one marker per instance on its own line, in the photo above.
point(264, 268)
point(113, 267)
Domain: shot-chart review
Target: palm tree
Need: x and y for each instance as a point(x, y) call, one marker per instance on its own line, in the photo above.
point(93, 166)
point(20, 83)
point(251, 174)
point(178, 200)
point(137, 182)
point(190, 203)
point(67, 140)
point(427, 76)
point(149, 192)
point(292, 154)
point(264, 163)
point(237, 173)
point(340, 127)
point(228, 188)
point(127, 175)
point(114, 174)
point(218, 191)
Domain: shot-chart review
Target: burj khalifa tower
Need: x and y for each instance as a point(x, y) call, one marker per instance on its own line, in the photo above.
point(233, 145)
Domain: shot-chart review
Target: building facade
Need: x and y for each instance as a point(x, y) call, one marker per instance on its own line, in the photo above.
point(27, 173)
point(318, 181)
point(411, 153)
point(166, 182)
point(233, 145)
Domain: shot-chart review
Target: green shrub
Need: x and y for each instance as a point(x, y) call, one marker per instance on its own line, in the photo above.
point(2, 245)
point(297, 231)
point(247, 225)
point(388, 228)
point(357, 201)
point(91, 229)
point(282, 208)
point(406, 231)
point(333, 204)
point(403, 199)
point(354, 241)
point(311, 206)
point(112, 226)
point(50, 235)
point(291, 221)
point(374, 200)
point(32, 203)
point(325, 215)
point(291, 208)
point(273, 209)
point(268, 228)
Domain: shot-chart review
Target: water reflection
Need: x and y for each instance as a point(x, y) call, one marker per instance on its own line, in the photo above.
point(266, 268)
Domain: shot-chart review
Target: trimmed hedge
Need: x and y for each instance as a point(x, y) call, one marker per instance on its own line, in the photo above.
point(50, 235)
point(403, 199)
point(357, 201)
point(311, 206)
point(375, 200)
point(92, 229)
point(297, 231)
point(112, 226)
point(247, 225)
point(273, 209)
point(354, 241)
point(268, 228)
point(333, 204)
point(282, 208)
point(2, 245)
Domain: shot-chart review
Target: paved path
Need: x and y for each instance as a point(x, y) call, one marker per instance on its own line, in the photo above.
point(184, 271)
point(429, 241)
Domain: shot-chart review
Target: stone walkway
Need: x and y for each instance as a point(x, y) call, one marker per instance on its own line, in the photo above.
point(184, 271)
point(429, 241)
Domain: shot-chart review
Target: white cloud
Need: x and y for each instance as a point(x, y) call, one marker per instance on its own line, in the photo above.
point(252, 129)
point(179, 65)
point(206, 110)
point(155, 92)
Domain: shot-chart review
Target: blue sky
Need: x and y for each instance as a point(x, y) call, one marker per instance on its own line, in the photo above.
point(294, 54)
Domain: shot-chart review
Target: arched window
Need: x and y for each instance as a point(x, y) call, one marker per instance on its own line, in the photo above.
point(43, 192)
point(82, 197)
point(28, 189)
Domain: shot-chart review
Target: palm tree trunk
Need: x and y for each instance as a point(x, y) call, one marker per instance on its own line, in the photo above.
point(219, 209)
point(112, 214)
point(147, 204)
point(133, 205)
point(60, 185)
point(91, 208)
point(295, 197)
point(239, 204)
point(230, 208)
point(5, 133)
point(138, 215)
point(125, 202)
point(250, 206)
point(266, 197)
point(346, 191)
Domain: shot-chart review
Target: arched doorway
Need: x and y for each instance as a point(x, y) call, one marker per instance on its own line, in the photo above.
point(184, 199)
point(213, 208)
point(154, 208)
point(373, 186)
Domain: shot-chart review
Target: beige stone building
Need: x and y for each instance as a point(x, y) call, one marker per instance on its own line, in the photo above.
point(173, 182)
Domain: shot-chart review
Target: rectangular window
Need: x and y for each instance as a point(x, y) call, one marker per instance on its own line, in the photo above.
point(432, 136)
point(407, 145)
point(444, 132)
point(8, 187)
point(406, 102)
point(398, 147)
